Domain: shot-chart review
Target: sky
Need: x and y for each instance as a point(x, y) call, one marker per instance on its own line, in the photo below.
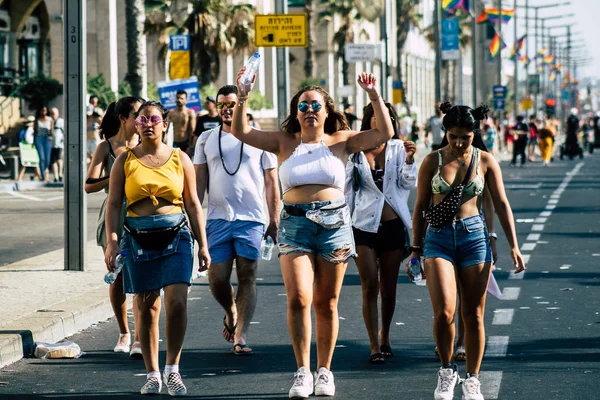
point(586, 30)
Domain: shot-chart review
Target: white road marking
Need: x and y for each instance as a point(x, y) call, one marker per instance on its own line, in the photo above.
point(511, 293)
point(490, 384)
point(528, 246)
point(54, 198)
point(552, 308)
point(552, 201)
point(565, 267)
point(23, 196)
point(542, 242)
point(503, 316)
point(537, 227)
point(543, 302)
point(550, 207)
point(545, 213)
point(523, 186)
point(526, 259)
point(497, 346)
point(556, 195)
point(541, 220)
point(525, 220)
point(532, 237)
point(512, 275)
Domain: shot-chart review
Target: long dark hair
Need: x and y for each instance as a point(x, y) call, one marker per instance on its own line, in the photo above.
point(369, 112)
point(39, 112)
point(336, 121)
point(110, 124)
point(124, 106)
point(467, 118)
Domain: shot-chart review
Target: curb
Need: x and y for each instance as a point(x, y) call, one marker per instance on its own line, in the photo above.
point(14, 186)
point(17, 338)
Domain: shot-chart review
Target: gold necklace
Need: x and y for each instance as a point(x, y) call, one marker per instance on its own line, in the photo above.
point(157, 162)
point(463, 163)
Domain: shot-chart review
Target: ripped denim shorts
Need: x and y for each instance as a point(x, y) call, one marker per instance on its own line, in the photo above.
point(321, 228)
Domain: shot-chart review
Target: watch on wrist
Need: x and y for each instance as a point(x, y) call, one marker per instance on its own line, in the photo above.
point(493, 235)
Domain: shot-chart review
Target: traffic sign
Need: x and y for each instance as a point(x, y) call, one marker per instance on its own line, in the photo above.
point(167, 91)
point(281, 30)
point(527, 104)
point(499, 92)
point(179, 42)
point(499, 104)
point(362, 52)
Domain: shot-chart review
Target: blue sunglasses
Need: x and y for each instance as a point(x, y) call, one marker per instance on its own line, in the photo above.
point(315, 105)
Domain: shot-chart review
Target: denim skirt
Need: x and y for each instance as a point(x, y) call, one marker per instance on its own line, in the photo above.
point(150, 270)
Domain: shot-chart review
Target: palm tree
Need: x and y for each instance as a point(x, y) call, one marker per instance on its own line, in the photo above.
point(407, 16)
point(310, 62)
point(216, 28)
point(348, 13)
point(136, 47)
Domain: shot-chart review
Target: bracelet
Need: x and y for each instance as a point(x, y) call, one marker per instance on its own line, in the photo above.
point(375, 99)
point(493, 235)
point(242, 100)
point(416, 249)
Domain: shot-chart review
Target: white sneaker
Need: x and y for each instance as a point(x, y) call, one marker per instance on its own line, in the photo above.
point(152, 386)
point(324, 384)
point(471, 388)
point(447, 378)
point(303, 384)
point(136, 351)
point(123, 345)
point(174, 384)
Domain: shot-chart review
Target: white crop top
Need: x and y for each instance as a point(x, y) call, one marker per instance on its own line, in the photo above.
point(312, 164)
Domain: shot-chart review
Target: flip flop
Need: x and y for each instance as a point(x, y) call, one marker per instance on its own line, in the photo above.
point(377, 358)
point(228, 333)
point(386, 350)
point(242, 350)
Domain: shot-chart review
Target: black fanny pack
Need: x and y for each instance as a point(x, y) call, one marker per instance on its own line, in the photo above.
point(299, 212)
point(155, 239)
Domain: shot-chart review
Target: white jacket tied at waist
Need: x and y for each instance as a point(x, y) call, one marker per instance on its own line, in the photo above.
point(366, 204)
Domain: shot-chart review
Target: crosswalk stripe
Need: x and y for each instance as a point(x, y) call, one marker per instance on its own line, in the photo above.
point(497, 346)
point(490, 384)
point(503, 316)
point(511, 293)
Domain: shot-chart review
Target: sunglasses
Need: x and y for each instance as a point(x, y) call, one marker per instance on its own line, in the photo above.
point(143, 121)
point(229, 104)
point(315, 105)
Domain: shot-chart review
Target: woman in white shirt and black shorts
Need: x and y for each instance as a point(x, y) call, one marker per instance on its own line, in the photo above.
point(377, 188)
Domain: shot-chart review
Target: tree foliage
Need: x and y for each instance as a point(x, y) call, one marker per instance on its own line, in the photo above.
point(40, 91)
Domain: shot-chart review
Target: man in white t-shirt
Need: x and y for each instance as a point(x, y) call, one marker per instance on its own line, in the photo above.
point(435, 129)
point(240, 179)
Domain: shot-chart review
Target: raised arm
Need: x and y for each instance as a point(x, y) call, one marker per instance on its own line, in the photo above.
point(364, 140)
point(495, 184)
point(264, 140)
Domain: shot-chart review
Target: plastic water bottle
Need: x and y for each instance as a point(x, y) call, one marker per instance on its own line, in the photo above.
point(251, 68)
point(267, 250)
point(415, 270)
point(111, 276)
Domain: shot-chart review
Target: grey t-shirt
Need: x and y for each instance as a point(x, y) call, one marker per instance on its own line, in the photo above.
point(435, 126)
point(237, 197)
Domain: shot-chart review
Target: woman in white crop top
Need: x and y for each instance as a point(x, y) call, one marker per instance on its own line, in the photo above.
point(315, 236)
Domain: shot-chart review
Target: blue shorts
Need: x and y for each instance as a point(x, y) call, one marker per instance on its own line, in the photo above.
point(463, 242)
point(226, 239)
point(298, 234)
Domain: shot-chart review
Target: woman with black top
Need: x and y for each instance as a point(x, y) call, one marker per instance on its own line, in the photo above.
point(377, 188)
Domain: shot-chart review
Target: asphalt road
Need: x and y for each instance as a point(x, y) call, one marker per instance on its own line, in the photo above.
point(543, 338)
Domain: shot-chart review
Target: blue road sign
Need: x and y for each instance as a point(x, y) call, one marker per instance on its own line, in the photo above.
point(167, 91)
point(397, 85)
point(499, 104)
point(565, 95)
point(499, 92)
point(450, 42)
point(179, 42)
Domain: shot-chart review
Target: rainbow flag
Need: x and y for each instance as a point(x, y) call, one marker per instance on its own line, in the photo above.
point(558, 67)
point(541, 52)
point(452, 6)
point(492, 14)
point(482, 17)
point(525, 59)
point(516, 50)
point(552, 76)
point(497, 45)
point(547, 60)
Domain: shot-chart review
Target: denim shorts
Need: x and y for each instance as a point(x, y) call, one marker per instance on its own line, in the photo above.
point(463, 242)
point(150, 270)
point(298, 234)
point(226, 239)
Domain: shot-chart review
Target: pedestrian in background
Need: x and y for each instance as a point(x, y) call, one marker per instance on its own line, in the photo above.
point(315, 236)
point(433, 130)
point(183, 120)
point(157, 181)
point(378, 183)
point(533, 137)
point(456, 245)
point(43, 130)
point(240, 180)
point(206, 121)
point(119, 134)
point(519, 133)
point(415, 132)
point(58, 144)
point(93, 121)
point(546, 140)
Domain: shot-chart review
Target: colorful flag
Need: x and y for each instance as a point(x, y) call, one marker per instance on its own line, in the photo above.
point(452, 6)
point(540, 68)
point(558, 67)
point(497, 45)
point(517, 48)
point(552, 76)
point(568, 76)
point(547, 60)
point(482, 17)
point(525, 59)
point(492, 15)
point(541, 52)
